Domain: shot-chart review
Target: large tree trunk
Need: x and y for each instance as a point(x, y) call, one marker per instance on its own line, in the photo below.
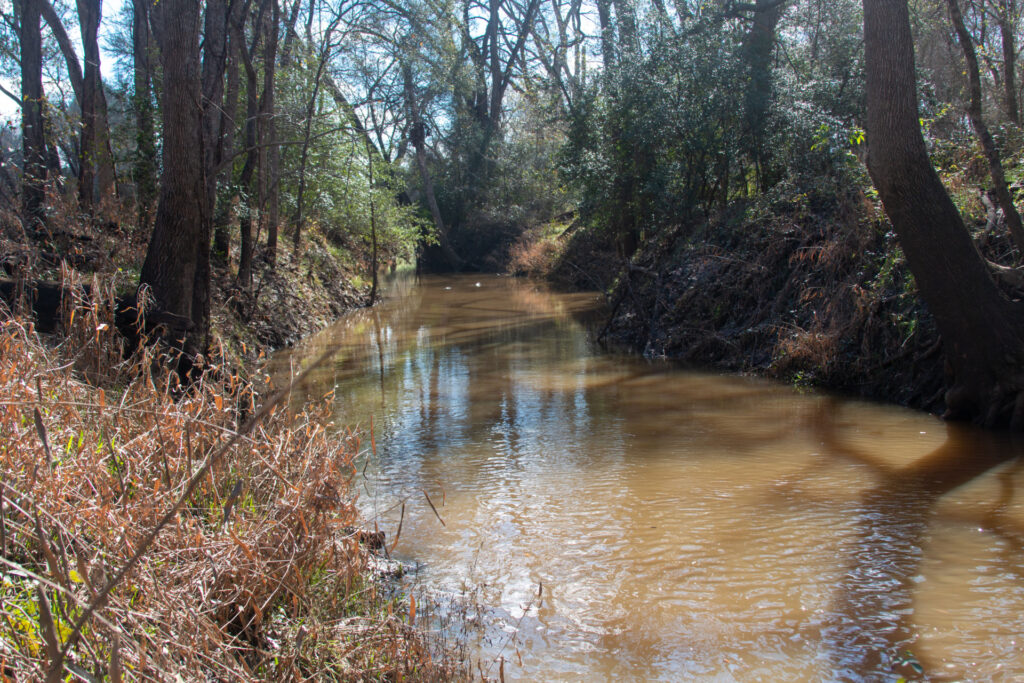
point(988, 145)
point(174, 249)
point(33, 179)
point(982, 331)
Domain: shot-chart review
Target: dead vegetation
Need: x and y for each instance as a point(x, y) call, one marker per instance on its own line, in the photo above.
point(156, 532)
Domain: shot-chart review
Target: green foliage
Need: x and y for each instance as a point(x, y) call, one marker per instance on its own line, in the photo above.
point(665, 140)
point(338, 194)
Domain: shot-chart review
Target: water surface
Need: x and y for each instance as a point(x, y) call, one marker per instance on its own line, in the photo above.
point(621, 519)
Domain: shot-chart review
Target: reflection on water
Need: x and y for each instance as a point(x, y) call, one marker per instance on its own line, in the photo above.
point(683, 525)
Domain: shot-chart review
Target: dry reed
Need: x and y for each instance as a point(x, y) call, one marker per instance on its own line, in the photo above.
point(257, 573)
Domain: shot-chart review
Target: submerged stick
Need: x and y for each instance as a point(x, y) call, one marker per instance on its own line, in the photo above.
point(431, 504)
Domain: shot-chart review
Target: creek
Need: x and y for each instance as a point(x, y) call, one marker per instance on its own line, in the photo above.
point(609, 517)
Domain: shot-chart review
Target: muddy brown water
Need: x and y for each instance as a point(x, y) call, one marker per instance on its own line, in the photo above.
point(613, 518)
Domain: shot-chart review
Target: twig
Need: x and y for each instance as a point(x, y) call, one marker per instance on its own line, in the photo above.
point(54, 674)
point(431, 504)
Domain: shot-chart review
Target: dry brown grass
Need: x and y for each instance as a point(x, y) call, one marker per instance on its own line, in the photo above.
point(533, 255)
point(257, 573)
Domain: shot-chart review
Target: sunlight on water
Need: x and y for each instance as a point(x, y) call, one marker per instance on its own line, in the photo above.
point(683, 525)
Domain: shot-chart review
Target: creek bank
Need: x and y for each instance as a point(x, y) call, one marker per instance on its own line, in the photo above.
point(271, 575)
point(300, 294)
point(805, 289)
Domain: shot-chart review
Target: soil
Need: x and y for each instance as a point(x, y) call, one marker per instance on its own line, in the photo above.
point(296, 297)
point(808, 292)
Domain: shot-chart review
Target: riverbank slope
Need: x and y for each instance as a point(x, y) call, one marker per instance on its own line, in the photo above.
point(808, 288)
point(211, 532)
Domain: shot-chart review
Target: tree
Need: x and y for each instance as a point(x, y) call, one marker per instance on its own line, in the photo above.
point(988, 145)
point(1006, 11)
point(982, 330)
point(96, 175)
point(270, 151)
point(172, 259)
point(247, 174)
point(144, 166)
point(758, 45)
point(33, 185)
point(418, 135)
point(323, 55)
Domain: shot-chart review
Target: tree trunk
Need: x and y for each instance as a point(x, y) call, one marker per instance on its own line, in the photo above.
point(757, 48)
point(629, 38)
point(212, 85)
point(33, 179)
point(374, 266)
point(89, 19)
point(270, 153)
point(245, 178)
point(224, 204)
point(982, 331)
point(97, 165)
point(604, 15)
point(988, 145)
point(144, 166)
point(417, 136)
point(1005, 16)
point(174, 250)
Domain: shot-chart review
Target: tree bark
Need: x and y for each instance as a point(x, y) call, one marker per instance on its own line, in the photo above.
point(33, 182)
point(224, 204)
point(173, 256)
point(629, 38)
point(417, 136)
point(144, 165)
point(270, 153)
point(1005, 11)
point(604, 15)
point(988, 145)
point(246, 177)
point(96, 174)
point(757, 47)
point(982, 331)
point(95, 128)
point(89, 20)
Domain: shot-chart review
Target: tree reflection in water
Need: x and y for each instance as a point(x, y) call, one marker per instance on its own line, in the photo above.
point(871, 629)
